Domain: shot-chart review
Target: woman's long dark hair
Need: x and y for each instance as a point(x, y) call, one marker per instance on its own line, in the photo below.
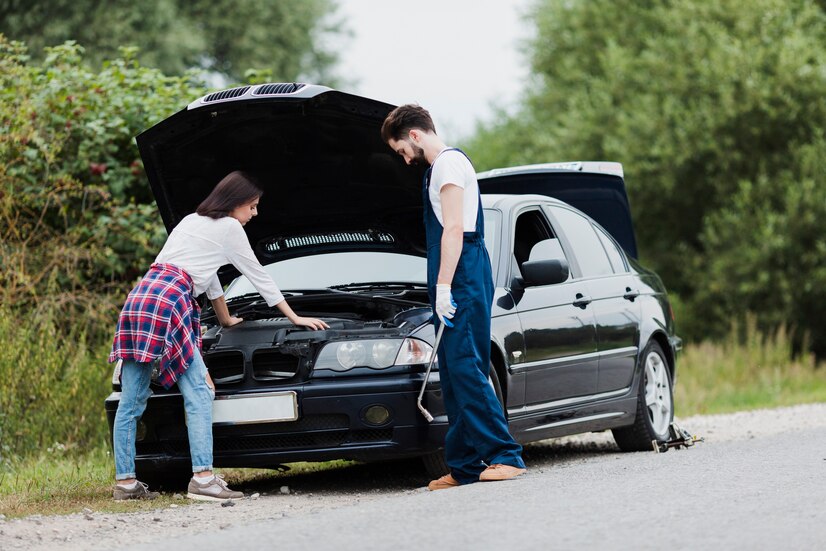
point(236, 189)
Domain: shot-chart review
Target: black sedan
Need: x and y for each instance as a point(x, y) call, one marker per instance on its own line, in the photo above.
point(582, 335)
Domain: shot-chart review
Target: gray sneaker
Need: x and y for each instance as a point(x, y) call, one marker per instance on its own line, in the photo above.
point(214, 490)
point(141, 491)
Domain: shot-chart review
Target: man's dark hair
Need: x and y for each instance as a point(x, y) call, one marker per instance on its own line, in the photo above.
point(403, 119)
point(237, 188)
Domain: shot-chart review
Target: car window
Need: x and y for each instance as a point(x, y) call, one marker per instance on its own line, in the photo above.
point(493, 219)
point(590, 254)
point(531, 228)
point(533, 239)
point(323, 270)
point(614, 255)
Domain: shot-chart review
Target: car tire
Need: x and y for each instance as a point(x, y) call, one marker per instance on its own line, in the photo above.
point(655, 404)
point(435, 463)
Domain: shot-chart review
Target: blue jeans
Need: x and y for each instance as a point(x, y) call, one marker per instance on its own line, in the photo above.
point(135, 392)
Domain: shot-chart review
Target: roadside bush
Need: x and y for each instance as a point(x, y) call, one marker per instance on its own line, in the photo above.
point(77, 219)
point(748, 369)
point(77, 226)
point(53, 387)
point(766, 251)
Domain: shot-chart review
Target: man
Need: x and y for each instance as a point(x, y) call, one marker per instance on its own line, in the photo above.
point(478, 445)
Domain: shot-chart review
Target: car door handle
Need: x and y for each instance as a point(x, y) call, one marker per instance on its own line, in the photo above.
point(631, 295)
point(581, 301)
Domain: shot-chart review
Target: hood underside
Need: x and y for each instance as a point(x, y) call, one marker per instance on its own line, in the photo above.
point(329, 181)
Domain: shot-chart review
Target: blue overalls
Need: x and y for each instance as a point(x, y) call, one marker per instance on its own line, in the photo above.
point(478, 433)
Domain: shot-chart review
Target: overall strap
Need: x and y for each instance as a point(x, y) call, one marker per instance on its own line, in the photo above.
point(480, 220)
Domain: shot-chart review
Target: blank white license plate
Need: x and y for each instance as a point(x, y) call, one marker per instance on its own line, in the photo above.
point(261, 408)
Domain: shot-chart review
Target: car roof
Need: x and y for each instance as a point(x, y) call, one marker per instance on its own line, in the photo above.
point(503, 201)
point(591, 167)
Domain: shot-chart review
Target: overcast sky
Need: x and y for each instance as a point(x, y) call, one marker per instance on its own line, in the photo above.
point(453, 57)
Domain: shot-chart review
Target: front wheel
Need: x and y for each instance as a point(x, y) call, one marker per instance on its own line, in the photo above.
point(435, 463)
point(655, 404)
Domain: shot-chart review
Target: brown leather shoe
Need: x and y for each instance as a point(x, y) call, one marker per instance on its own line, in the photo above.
point(500, 472)
point(442, 483)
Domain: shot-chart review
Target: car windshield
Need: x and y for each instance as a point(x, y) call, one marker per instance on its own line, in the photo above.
point(326, 270)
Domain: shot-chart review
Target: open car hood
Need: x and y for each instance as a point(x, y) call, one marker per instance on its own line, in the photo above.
point(329, 181)
point(595, 188)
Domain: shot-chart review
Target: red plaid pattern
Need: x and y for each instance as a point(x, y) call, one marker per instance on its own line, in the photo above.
point(160, 319)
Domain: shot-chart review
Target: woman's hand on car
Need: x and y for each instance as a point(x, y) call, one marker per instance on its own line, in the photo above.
point(309, 322)
point(288, 312)
point(232, 320)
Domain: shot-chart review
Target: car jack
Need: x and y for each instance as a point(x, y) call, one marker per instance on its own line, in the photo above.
point(678, 438)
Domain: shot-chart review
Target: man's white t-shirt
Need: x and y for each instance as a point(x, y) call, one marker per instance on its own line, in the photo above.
point(200, 245)
point(452, 167)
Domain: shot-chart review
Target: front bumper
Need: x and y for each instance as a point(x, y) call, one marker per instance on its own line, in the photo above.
point(330, 425)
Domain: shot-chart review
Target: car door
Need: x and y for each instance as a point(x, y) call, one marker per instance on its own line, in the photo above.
point(559, 329)
point(612, 292)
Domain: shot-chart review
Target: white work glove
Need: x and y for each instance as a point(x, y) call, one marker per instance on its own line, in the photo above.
point(445, 305)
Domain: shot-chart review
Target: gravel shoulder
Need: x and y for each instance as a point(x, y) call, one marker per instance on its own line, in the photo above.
point(356, 486)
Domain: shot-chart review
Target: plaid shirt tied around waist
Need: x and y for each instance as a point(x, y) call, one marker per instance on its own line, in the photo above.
point(160, 319)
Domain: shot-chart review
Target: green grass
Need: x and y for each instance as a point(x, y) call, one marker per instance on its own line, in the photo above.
point(56, 483)
point(755, 372)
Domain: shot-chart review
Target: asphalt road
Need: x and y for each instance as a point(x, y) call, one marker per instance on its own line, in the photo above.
point(759, 492)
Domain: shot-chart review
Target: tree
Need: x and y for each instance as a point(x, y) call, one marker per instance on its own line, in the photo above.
point(704, 103)
point(77, 219)
point(224, 36)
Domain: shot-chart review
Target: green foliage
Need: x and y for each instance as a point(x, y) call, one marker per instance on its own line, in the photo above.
point(53, 387)
point(766, 249)
point(174, 35)
point(76, 216)
point(748, 370)
point(710, 106)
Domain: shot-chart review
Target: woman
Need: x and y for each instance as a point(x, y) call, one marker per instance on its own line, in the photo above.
point(160, 320)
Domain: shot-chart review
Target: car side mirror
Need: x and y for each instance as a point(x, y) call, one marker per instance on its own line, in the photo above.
point(544, 272)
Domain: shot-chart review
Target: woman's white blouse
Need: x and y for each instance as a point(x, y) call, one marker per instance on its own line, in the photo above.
point(200, 245)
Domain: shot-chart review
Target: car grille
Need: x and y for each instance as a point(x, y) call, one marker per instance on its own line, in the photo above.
point(268, 365)
point(226, 94)
point(326, 439)
point(277, 89)
point(313, 431)
point(370, 435)
point(225, 367)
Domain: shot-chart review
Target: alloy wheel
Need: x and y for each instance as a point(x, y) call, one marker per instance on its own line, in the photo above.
point(657, 393)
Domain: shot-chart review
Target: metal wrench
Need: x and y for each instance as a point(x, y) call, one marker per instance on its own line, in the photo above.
point(424, 411)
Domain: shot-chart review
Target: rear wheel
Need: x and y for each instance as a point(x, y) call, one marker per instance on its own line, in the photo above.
point(655, 404)
point(435, 463)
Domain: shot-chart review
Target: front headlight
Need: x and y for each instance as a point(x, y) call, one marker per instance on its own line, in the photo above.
point(373, 353)
point(351, 354)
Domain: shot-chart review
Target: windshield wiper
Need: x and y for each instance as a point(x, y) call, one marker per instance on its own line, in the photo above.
point(288, 294)
point(390, 285)
point(243, 297)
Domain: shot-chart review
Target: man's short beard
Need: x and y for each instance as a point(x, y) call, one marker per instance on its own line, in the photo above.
point(418, 155)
